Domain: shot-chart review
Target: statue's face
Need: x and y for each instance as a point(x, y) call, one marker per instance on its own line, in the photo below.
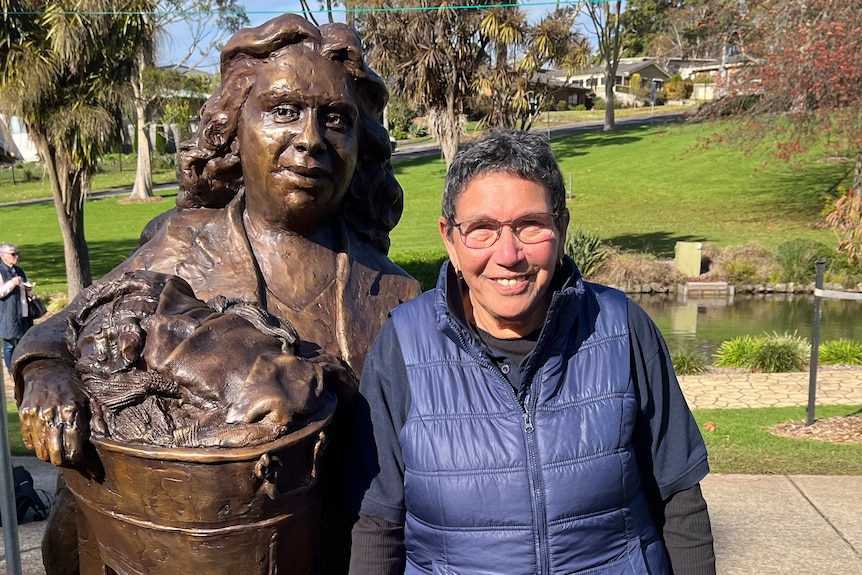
point(298, 139)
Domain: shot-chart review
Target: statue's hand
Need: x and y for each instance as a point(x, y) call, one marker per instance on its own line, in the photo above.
point(55, 414)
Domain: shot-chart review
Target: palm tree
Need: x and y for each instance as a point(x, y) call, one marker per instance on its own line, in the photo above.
point(429, 54)
point(65, 70)
point(142, 33)
point(512, 82)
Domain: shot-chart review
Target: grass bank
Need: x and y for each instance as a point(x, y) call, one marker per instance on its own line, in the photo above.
point(639, 188)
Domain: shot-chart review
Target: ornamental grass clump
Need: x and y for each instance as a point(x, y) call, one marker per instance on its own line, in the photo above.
point(796, 258)
point(769, 353)
point(688, 362)
point(587, 251)
point(749, 263)
point(840, 351)
point(737, 352)
point(782, 352)
point(627, 270)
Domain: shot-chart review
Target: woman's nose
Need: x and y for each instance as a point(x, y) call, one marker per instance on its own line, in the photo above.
point(309, 139)
point(508, 247)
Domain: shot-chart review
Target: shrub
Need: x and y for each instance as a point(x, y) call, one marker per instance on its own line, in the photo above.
point(580, 108)
point(780, 353)
point(840, 351)
point(599, 103)
point(737, 352)
point(688, 362)
point(741, 272)
point(703, 79)
point(775, 353)
point(399, 134)
point(587, 251)
point(418, 130)
point(561, 106)
point(628, 269)
point(748, 263)
point(797, 257)
point(678, 89)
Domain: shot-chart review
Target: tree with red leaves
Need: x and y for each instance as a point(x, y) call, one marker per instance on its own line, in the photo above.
point(802, 81)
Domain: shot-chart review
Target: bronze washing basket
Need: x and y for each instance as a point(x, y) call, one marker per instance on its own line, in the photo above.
point(245, 511)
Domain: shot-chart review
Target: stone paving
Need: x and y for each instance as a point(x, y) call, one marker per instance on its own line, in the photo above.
point(835, 386)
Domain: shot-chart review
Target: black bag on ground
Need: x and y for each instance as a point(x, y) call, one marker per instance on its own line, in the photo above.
point(26, 496)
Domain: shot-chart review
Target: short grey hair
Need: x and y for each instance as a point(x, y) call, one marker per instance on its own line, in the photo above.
point(523, 154)
point(7, 248)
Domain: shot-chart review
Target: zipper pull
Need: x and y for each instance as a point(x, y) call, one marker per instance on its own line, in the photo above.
point(528, 421)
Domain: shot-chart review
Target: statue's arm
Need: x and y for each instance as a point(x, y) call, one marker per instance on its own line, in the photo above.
point(54, 411)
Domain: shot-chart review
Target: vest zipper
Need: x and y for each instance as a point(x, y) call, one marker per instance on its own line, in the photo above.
point(537, 496)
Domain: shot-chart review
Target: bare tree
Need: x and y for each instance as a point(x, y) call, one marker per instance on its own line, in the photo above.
point(607, 23)
point(206, 22)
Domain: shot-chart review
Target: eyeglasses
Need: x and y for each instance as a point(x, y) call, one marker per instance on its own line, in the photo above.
point(13, 254)
point(529, 229)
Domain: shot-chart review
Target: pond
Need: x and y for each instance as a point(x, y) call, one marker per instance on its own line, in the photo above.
point(702, 324)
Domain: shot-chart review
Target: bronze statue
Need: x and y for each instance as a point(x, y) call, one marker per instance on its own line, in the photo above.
point(286, 201)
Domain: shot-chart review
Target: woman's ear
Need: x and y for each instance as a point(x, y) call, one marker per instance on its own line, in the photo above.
point(564, 226)
point(446, 232)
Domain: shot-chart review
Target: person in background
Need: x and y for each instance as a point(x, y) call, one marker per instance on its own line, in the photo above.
point(517, 419)
point(14, 315)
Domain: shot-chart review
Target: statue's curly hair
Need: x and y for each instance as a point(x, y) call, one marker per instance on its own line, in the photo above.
point(209, 171)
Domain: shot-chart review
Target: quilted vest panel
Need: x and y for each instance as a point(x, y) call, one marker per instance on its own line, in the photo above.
point(542, 483)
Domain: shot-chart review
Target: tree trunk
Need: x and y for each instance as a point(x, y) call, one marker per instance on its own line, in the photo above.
point(610, 80)
point(143, 187)
point(445, 126)
point(69, 188)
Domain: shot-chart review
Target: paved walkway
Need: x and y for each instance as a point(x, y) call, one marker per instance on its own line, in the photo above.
point(835, 386)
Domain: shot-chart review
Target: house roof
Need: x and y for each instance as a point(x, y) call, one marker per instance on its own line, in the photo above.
point(552, 78)
point(626, 67)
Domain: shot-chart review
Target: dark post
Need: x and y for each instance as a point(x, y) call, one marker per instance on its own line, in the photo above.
point(820, 266)
point(7, 490)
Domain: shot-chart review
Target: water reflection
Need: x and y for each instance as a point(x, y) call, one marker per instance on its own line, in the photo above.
point(702, 324)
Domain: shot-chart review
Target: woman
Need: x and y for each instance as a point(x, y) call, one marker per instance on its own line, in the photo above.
point(518, 419)
point(286, 201)
point(14, 290)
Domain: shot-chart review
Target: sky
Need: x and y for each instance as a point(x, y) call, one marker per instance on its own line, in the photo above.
point(175, 46)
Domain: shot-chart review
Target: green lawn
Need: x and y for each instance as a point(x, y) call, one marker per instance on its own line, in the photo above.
point(639, 188)
point(741, 442)
point(647, 188)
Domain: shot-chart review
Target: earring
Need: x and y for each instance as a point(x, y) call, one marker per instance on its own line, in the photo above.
point(459, 274)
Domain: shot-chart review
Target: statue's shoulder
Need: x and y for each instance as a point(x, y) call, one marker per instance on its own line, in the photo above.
point(367, 256)
point(182, 221)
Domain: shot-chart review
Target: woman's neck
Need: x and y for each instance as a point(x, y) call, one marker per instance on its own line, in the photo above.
point(296, 268)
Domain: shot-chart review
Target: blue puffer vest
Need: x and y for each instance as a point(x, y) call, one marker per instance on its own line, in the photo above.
point(545, 482)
